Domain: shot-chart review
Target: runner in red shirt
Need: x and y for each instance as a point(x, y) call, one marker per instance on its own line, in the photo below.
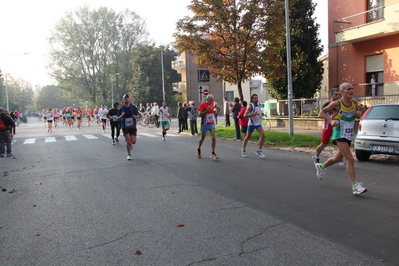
point(206, 111)
point(326, 131)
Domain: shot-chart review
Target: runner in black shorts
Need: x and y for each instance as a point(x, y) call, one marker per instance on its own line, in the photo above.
point(127, 114)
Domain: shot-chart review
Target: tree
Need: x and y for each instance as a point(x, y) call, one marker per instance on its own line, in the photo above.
point(307, 71)
point(52, 97)
point(89, 46)
point(226, 37)
point(146, 82)
point(20, 94)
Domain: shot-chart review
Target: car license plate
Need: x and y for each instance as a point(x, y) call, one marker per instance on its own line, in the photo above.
point(383, 148)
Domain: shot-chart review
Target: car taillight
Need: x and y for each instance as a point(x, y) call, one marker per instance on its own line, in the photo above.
point(359, 128)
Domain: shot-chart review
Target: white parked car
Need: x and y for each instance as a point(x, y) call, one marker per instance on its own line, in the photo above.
point(378, 131)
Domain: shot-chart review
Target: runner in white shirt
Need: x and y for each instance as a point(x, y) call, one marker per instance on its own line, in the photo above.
point(254, 113)
point(49, 116)
point(103, 115)
point(164, 114)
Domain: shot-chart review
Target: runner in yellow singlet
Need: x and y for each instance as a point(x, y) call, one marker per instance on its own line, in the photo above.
point(343, 121)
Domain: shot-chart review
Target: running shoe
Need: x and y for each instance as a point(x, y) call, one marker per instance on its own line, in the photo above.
point(358, 189)
point(243, 153)
point(342, 162)
point(103, 131)
point(214, 156)
point(113, 142)
point(10, 155)
point(129, 157)
point(117, 141)
point(199, 153)
point(1, 154)
point(163, 138)
point(315, 159)
point(319, 172)
point(259, 152)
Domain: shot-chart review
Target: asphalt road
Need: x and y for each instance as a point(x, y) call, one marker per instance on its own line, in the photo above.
point(79, 202)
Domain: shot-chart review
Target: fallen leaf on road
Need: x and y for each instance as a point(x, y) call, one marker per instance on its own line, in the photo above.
point(180, 225)
point(382, 260)
point(3, 189)
point(34, 205)
point(36, 235)
point(374, 183)
point(138, 252)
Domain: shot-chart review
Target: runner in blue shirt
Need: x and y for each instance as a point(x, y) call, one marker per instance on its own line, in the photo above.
point(128, 113)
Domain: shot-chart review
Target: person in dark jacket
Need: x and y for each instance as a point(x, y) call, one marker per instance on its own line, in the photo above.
point(181, 116)
point(5, 135)
point(236, 110)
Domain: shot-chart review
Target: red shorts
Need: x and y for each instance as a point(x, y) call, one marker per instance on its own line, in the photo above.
point(326, 135)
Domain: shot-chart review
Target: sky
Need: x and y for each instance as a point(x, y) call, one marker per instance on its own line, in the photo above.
point(26, 26)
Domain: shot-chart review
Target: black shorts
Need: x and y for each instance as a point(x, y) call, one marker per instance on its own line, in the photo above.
point(103, 120)
point(130, 131)
point(78, 118)
point(244, 129)
point(343, 140)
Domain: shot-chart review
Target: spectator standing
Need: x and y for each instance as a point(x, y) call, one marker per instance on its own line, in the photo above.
point(226, 111)
point(185, 126)
point(15, 119)
point(236, 110)
point(155, 111)
point(181, 114)
point(217, 111)
point(5, 133)
point(373, 82)
point(192, 115)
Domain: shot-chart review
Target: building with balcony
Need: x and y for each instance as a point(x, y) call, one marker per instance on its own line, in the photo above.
point(364, 44)
point(196, 82)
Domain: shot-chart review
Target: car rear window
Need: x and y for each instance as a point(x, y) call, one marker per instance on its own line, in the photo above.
point(384, 112)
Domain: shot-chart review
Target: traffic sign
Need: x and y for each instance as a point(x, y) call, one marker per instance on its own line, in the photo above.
point(205, 92)
point(204, 76)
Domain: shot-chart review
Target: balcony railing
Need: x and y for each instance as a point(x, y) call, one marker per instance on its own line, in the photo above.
point(374, 23)
point(179, 86)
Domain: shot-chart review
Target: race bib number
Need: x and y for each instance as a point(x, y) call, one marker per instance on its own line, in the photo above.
point(210, 119)
point(129, 122)
point(347, 129)
point(114, 118)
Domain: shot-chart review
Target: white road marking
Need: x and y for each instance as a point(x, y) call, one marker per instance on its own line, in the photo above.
point(90, 136)
point(70, 138)
point(50, 139)
point(29, 141)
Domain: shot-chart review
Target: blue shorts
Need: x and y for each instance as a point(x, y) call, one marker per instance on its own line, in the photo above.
point(251, 128)
point(206, 128)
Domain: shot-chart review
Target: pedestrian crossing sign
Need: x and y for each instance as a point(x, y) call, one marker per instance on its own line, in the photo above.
point(204, 76)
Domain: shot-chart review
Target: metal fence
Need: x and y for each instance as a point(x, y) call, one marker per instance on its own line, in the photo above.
point(311, 107)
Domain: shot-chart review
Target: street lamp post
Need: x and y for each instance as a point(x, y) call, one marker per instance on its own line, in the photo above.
point(112, 87)
point(5, 71)
point(163, 78)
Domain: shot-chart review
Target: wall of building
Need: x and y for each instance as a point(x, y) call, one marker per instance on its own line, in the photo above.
point(215, 87)
point(347, 60)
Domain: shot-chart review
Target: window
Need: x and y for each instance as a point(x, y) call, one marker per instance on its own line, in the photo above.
point(230, 96)
point(376, 12)
point(375, 74)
